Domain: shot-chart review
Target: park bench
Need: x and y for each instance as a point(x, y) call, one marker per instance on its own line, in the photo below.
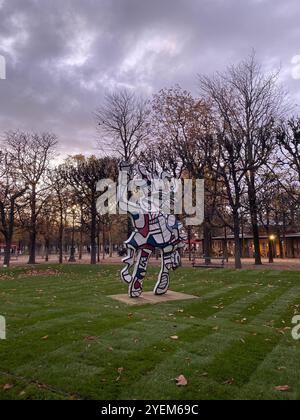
point(209, 262)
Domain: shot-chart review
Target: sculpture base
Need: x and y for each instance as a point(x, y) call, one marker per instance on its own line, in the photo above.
point(148, 298)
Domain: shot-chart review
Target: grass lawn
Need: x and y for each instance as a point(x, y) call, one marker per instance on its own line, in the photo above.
point(67, 340)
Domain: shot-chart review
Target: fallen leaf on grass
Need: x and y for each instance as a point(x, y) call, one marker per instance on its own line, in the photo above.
point(40, 273)
point(42, 386)
point(7, 387)
point(90, 338)
point(45, 338)
point(282, 388)
point(120, 371)
point(229, 382)
point(181, 381)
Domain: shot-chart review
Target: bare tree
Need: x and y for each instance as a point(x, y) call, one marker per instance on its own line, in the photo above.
point(248, 102)
point(12, 188)
point(230, 173)
point(180, 124)
point(83, 174)
point(182, 142)
point(288, 137)
point(62, 195)
point(33, 153)
point(47, 222)
point(123, 121)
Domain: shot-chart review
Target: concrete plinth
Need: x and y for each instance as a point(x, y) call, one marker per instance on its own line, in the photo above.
point(149, 298)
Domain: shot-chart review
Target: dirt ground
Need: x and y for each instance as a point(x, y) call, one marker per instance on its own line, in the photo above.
point(286, 264)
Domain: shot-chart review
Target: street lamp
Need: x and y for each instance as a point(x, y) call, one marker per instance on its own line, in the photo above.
point(271, 248)
point(72, 258)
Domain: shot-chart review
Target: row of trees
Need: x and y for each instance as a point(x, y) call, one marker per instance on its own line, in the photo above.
point(238, 135)
point(38, 198)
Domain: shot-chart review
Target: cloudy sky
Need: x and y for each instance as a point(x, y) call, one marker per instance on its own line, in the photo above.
point(63, 55)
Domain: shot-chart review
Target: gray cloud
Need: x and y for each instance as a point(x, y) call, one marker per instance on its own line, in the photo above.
point(62, 56)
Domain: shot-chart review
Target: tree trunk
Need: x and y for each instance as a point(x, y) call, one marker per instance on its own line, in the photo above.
point(226, 245)
point(281, 252)
point(8, 231)
point(7, 250)
point(98, 243)
point(61, 239)
point(207, 241)
point(47, 243)
point(103, 240)
point(271, 252)
point(189, 242)
point(284, 237)
point(237, 240)
point(94, 232)
point(81, 243)
point(270, 245)
point(110, 242)
point(33, 233)
point(32, 247)
point(254, 218)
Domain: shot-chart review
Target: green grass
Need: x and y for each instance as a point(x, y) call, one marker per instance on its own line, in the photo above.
point(66, 339)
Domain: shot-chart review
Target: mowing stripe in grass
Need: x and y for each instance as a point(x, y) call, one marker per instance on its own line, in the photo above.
point(242, 359)
point(60, 334)
point(187, 336)
point(279, 367)
point(140, 342)
point(23, 386)
point(207, 305)
point(263, 302)
point(194, 353)
point(290, 311)
point(137, 364)
point(274, 311)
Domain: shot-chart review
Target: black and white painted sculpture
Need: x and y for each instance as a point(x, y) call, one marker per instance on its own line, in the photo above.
point(154, 228)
